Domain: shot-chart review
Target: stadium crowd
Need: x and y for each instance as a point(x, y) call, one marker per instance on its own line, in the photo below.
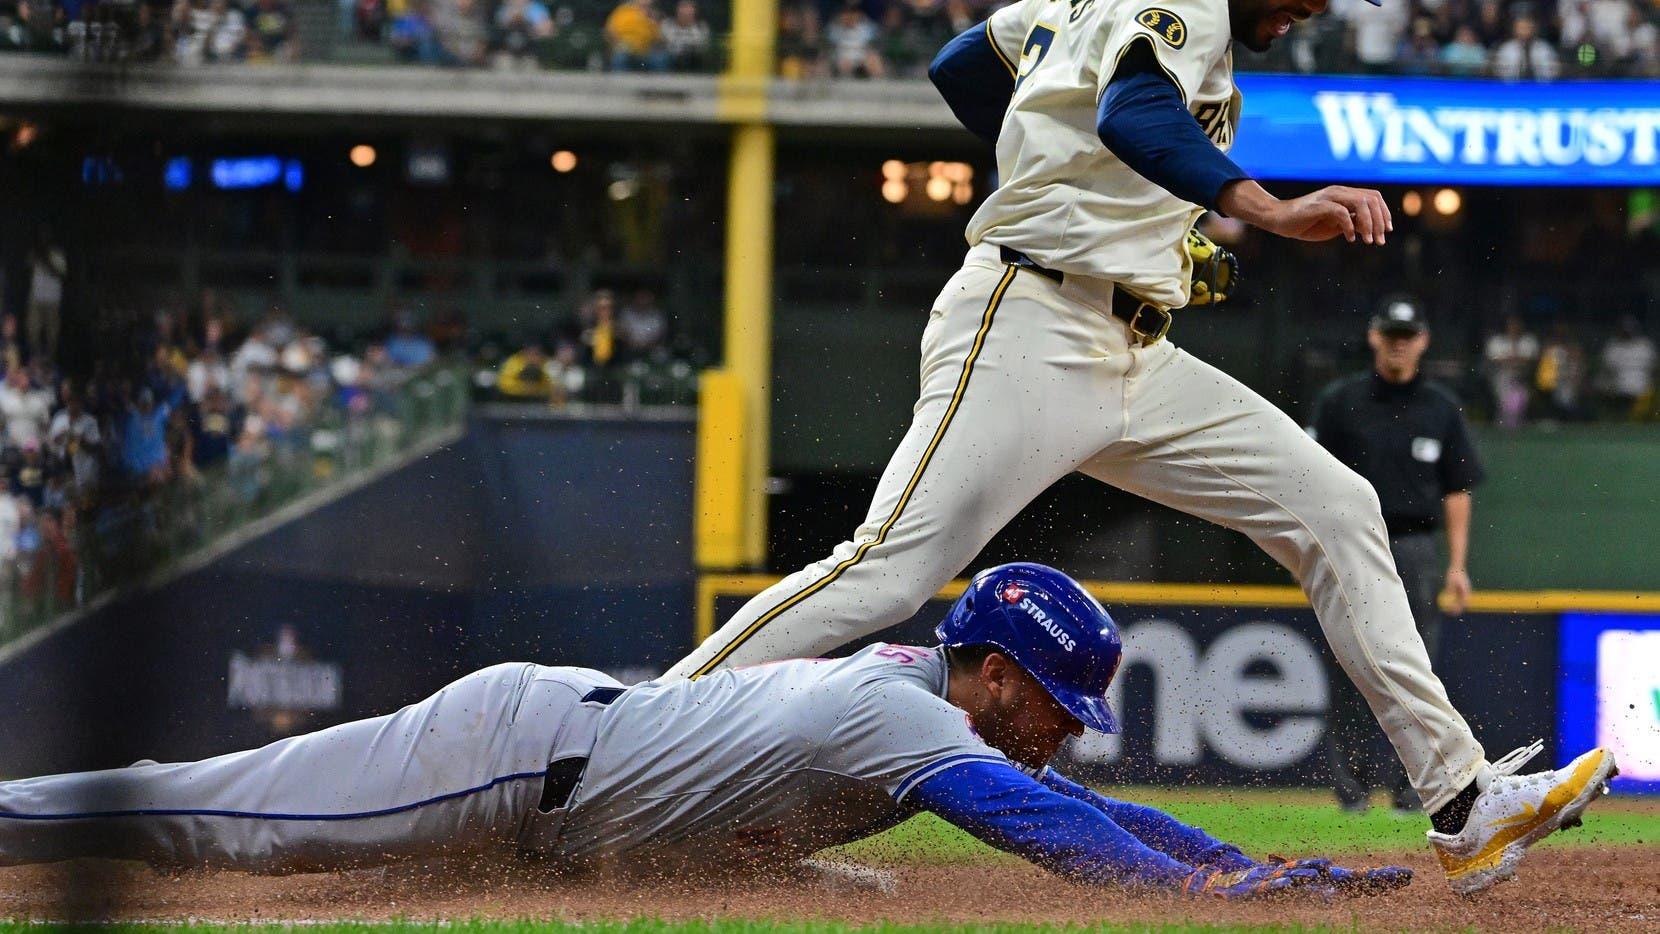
point(1507, 39)
point(1557, 378)
point(88, 461)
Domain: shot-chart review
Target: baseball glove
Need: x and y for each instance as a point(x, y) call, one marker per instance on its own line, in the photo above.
point(1371, 881)
point(1215, 270)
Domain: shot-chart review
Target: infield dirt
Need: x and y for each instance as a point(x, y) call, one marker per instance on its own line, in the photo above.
point(1602, 889)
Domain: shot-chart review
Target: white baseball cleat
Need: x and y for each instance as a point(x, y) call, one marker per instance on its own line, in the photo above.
point(1513, 812)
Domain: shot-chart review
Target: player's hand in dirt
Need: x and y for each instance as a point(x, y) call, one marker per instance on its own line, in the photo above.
point(1371, 881)
point(1256, 882)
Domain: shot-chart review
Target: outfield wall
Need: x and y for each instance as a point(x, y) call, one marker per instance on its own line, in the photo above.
point(1230, 685)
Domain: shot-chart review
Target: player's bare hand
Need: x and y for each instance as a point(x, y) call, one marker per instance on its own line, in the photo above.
point(1457, 592)
point(1335, 211)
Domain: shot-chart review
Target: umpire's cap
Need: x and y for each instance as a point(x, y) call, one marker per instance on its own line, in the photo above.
point(1400, 314)
point(1051, 627)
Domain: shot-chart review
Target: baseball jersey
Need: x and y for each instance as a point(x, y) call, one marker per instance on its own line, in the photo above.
point(1064, 199)
point(765, 764)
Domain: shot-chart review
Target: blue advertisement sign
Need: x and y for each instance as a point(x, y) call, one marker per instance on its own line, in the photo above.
point(1449, 131)
point(1609, 693)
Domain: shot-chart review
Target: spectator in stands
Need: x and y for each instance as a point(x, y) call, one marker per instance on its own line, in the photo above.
point(228, 38)
point(13, 353)
point(29, 476)
point(37, 26)
point(1510, 356)
point(904, 48)
point(852, 37)
point(1420, 54)
point(686, 39)
point(26, 409)
point(412, 35)
point(1378, 31)
point(144, 440)
point(522, 29)
point(642, 325)
point(76, 441)
point(1464, 55)
point(47, 272)
point(148, 40)
point(599, 318)
point(192, 22)
point(1560, 377)
point(1525, 56)
point(11, 520)
point(1627, 379)
point(798, 41)
point(407, 347)
point(634, 37)
point(459, 26)
point(271, 37)
point(56, 571)
point(524, 375)
point(206, 372)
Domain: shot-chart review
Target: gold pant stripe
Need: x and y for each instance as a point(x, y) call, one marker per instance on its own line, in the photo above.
point(904, 499)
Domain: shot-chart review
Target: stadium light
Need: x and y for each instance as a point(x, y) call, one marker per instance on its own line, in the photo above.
point(1412, 204)
point(894, 190)
point(1448, 201)
point(893, 170)
point(563, 161)
point(938, 188)
point(363, 155)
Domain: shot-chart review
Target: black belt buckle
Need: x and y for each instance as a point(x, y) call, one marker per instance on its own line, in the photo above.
point(1160, 315)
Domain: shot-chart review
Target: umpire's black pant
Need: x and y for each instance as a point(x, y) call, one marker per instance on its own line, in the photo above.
point(1359, 757)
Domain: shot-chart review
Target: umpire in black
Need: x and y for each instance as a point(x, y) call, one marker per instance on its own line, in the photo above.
point(1408, 438)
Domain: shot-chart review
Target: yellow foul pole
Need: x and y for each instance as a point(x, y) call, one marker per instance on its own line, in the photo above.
point(734, 427)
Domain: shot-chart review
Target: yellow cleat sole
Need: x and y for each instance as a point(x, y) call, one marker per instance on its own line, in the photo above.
point(1562, 807)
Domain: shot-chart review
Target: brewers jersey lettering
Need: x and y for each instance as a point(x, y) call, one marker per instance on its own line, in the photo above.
point(1064, 199)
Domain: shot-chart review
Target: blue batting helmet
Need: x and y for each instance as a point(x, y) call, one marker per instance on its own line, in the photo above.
point(1051, 627)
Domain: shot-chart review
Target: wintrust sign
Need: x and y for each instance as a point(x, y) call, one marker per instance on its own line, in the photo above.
point(1429, 130)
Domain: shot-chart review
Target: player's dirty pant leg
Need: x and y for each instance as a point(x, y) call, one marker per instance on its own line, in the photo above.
point(1017, 387)
point(1198, 440)
point(455, 773)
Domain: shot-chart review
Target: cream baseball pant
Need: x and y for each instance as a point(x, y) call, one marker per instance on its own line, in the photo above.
point(1025, 380)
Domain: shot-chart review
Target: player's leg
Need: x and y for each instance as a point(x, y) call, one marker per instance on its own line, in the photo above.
point(1018, 384)
point(1419, 564)
point(454, 773)
point(1200, 441)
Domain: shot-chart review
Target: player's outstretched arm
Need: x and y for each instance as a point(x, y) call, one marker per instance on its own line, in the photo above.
point(1336, 210)
point(1008, 809)
point(1194, 846)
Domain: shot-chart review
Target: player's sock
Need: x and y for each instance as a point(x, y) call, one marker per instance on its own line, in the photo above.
point(1451, 817)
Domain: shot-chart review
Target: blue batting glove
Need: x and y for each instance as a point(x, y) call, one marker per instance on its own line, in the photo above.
point(1255, 882)
point(1372, 881)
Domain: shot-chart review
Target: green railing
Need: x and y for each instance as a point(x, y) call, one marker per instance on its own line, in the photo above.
point(124, 542)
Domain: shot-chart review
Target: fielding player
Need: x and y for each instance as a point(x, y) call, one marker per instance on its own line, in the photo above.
point(756, 768)
point(1045, 354)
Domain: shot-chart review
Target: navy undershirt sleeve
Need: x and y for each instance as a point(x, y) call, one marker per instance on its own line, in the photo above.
point(1145, 123)
point(1154, 828)
point(1008, 809)
point(975, 80)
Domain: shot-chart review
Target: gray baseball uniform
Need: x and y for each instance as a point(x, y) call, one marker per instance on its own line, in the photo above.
point(758, 765)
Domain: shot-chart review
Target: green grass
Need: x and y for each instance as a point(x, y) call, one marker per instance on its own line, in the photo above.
point(648, 927)
point(1280, 821)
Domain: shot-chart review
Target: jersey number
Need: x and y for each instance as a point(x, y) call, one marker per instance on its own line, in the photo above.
point(1036, 47)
